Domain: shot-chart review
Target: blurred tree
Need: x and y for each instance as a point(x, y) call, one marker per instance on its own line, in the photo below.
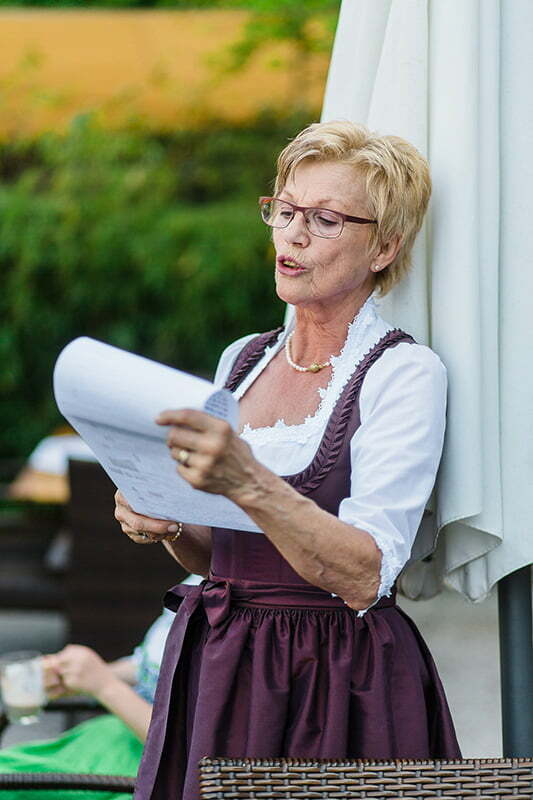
point(308, 27)
point(150, 242)
point(184, 4)
point(265, 8)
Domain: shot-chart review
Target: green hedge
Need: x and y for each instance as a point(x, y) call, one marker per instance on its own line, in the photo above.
point(152, 243)
point(111, 3)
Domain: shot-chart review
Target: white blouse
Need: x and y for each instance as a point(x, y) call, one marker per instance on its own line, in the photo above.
point(394, 453)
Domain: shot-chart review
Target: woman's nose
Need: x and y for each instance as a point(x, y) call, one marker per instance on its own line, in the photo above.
point(296, 231)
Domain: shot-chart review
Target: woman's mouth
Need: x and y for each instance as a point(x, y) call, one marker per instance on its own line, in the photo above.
point(288, 266)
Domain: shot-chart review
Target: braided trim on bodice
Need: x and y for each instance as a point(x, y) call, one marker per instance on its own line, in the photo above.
point(330, 445)
point(249, 356)
point(335, 431)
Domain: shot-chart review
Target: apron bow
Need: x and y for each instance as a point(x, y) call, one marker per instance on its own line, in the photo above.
point(214, 596)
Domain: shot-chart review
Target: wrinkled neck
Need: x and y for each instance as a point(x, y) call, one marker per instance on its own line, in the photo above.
point(321, 334)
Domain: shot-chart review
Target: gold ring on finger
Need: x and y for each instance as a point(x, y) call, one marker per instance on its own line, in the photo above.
point(143, 535)
point(183, 457)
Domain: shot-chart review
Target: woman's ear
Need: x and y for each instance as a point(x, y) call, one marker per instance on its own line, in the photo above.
point(387, 253)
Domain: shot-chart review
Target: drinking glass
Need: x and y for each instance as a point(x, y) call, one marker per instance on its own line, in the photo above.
point(21, 682)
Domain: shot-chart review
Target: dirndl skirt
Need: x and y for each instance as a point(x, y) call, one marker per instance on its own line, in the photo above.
point(265, 670)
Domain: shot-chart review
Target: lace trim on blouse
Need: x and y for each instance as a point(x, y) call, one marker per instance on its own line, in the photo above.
point(391, 566)
point(343, 367)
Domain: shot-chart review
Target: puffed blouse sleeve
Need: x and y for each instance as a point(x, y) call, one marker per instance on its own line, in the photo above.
point(396, 451)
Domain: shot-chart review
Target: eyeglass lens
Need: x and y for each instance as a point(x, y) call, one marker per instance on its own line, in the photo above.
point(320, 221)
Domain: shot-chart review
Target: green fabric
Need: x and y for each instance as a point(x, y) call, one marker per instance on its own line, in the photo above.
point(103, 745)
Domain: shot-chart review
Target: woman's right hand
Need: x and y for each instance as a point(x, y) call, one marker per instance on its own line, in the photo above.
point(141, 529)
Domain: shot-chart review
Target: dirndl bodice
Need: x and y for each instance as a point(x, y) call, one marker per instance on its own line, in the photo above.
point(261, 664)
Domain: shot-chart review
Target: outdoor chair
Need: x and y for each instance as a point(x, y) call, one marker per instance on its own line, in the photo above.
point(299, 779)
point(114, 588)
point(24, 781)
point(26, 581)
point(76, 709)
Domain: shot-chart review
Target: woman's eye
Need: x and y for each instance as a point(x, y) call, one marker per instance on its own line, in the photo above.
point(327, 220)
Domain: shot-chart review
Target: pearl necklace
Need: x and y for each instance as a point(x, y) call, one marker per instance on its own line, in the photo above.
point(314, 367)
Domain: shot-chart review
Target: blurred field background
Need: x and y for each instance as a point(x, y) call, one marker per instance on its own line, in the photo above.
point(134, 143)
point(169, 69)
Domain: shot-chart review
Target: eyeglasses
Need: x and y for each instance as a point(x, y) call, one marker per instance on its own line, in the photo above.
point(319, 221)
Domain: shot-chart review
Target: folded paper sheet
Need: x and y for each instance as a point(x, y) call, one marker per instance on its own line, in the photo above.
point(112, 397)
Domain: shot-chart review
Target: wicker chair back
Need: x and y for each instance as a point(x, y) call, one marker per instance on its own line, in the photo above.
point(298, 779)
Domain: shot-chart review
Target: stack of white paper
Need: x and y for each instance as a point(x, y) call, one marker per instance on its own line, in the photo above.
point(111, 397)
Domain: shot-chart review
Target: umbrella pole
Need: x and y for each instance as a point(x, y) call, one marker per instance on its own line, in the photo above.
point(516, 663)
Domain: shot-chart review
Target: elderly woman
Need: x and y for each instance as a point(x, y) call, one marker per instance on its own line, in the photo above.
point(294, 645)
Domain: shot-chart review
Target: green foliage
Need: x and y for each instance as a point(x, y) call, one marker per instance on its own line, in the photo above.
point(308, 27)
point(180, 4)
point(288, 21)
point(284, 8)
point(150, 242)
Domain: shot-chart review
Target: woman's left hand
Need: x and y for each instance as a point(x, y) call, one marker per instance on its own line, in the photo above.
point(209, 454)
point(77, 669)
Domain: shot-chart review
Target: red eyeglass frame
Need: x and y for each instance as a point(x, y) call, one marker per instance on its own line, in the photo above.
point(303, 209)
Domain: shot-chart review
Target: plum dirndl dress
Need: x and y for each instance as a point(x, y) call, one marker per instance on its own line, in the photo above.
point(261, 664)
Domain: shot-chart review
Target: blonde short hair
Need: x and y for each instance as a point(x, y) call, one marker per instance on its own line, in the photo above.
point(398, 183)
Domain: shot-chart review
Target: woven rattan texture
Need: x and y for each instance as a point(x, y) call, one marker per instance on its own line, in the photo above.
point(298, 779)
point(21, 781)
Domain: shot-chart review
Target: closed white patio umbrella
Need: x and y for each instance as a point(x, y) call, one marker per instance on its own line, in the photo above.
point(454, 78)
